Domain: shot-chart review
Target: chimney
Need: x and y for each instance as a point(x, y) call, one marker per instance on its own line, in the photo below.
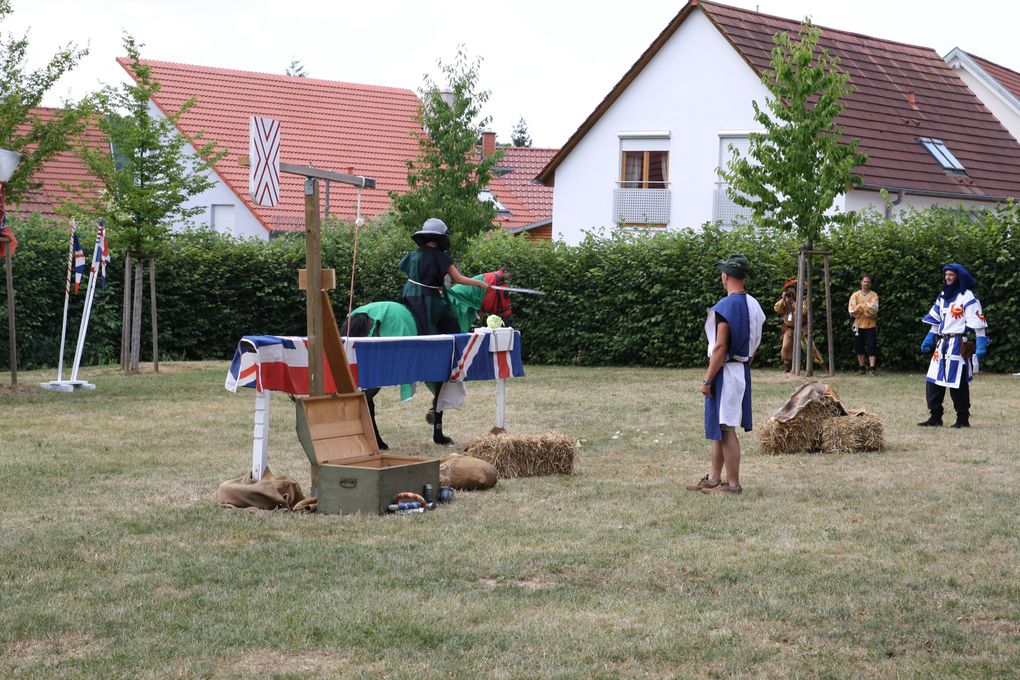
point(911, 100)
point(488, 143)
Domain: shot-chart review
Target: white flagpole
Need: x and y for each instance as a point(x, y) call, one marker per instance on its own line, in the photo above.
point(90, 293)
point(67, 295)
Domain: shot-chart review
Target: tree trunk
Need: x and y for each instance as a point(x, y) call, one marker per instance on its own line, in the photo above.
point(152, 313)
point(125, 326)
point(136, 317)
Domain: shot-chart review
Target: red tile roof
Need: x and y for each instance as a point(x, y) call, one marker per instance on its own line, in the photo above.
point(348, 128)
point(878, 113)
point(1007, 78)
point(527, 201)
point(64, 168)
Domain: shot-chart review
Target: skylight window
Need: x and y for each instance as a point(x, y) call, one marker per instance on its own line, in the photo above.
point(486, 195)
point(941, 153)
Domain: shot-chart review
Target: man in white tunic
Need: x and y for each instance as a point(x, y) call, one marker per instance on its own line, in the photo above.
point(953, 363)
point(733, 329)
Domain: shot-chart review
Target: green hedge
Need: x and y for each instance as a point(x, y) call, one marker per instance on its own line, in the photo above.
point(621, 300)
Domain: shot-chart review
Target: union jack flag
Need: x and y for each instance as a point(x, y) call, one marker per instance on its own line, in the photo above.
point(79, 258)
point(104, 251)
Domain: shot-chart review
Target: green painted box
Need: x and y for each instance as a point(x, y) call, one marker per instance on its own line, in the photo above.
point(349, 474)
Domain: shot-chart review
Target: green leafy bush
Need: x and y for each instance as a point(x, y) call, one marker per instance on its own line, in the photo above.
point(624, 299)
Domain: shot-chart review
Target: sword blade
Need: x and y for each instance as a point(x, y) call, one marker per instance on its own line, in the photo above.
point(511, 289)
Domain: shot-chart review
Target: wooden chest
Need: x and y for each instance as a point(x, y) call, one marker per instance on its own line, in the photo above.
point(349, 474)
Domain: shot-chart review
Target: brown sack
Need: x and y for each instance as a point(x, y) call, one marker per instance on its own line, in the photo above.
point(967, 348)
point(467, 473)
point(270, 493)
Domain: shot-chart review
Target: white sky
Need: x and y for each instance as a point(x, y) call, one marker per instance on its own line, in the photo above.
point(548, 61)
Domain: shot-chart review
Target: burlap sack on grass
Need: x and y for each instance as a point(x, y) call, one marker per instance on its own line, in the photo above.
point(466, 473)
point(269, 493)
point(513, 456)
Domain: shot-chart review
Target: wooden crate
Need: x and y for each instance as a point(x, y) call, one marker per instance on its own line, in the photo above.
point(349, 474)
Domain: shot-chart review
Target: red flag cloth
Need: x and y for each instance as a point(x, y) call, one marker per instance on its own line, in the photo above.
point(5, 232)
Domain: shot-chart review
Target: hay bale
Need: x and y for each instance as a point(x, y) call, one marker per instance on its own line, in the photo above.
point(801, 433)
point(515, 456)
point(852, 433)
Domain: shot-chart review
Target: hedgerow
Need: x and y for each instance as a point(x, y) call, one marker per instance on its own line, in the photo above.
point(623, 299)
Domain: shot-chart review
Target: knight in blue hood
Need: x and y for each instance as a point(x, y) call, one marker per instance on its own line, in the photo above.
point(955, 315)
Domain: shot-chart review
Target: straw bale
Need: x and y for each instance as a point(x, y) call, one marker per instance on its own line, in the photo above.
point(515, 456)
point(852, 433)
point(800, 433)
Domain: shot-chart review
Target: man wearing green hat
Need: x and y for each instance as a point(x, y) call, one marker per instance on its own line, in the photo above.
point(733, 329)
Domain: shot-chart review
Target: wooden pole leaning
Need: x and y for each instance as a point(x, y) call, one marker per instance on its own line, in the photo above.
point(313, 264)
point(828, 314)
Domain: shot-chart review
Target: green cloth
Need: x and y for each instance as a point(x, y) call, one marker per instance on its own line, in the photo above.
point(391, 320)
point(466, 302)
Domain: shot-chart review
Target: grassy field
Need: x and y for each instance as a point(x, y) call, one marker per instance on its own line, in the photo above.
point(116, 562)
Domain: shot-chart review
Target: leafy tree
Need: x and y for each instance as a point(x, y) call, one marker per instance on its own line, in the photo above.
point(800, 163)
point(519, 135)
point(296, 68)
point(144, 184)
point(447, 175)
point(36, 138)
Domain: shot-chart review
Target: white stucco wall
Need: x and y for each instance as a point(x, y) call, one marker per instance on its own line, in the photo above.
point(695, 87)
point(993, 101)
point(863, 200)
point(245, 223)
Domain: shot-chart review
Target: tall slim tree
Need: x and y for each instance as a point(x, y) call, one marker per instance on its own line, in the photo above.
point(801, 162)
point(37, 138)
point(296, 68)
point(145, 182)
point(448, 174)
point(519, 135)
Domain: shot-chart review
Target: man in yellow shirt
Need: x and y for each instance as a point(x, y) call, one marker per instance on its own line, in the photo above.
point(863, 308)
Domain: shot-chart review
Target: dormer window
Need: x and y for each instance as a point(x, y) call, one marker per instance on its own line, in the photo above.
point(938, 149)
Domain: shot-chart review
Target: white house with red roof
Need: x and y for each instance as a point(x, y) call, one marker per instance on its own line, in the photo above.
point(344, 127)
point(647, 157)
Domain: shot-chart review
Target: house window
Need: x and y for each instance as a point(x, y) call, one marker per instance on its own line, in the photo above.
point(938, 149)
point(221, 218)
point(642, 197)
point(724, 210)
point(645, 170)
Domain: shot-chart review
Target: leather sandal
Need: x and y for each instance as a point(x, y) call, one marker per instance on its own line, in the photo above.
point(703, 484)
point(723, 488)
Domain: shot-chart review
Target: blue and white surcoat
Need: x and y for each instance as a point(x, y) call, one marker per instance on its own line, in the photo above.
point(730, 400)
point(950, 319)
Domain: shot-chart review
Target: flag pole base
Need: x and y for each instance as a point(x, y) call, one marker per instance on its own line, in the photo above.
point(67, 385)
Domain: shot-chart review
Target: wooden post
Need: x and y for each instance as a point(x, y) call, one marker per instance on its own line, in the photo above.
point(136, 317)
point(797, 321)
point(152, 314)
point(313, 264)
point(810, 362)
point(125, 322)
point(828, 315)
point(11, 336)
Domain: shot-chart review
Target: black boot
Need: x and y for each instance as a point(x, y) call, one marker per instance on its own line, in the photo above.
point(787, 366)
point(437, 430)
point(962, 420)
point(933, 421)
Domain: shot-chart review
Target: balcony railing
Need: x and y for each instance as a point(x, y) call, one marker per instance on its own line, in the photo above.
point(641, 206)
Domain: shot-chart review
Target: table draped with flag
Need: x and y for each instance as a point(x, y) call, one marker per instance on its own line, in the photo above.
point(271, 362)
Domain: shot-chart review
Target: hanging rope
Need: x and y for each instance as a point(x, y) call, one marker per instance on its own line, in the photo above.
point(358, 223)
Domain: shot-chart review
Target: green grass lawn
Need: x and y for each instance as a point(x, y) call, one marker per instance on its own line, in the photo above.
point(115, 560)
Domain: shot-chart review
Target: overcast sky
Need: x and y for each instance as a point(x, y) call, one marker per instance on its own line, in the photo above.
point(548, 61)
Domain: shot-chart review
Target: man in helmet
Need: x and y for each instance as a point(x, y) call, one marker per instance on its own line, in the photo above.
point(426, 269)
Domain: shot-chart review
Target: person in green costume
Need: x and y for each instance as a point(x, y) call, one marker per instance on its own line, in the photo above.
point(426, 269)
